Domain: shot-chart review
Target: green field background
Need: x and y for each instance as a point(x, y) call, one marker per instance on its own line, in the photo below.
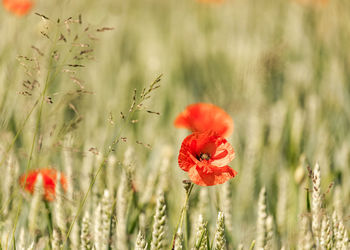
point(281, 69)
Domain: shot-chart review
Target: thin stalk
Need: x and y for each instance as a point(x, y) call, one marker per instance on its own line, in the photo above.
point(49, 77)
point(116, 140)
point(42, 96)
point(182, 215)
point(50, 226)
point(252, 245)
point(47, 81)
point(19, 131)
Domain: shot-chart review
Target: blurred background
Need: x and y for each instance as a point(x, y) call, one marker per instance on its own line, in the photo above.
point(280, 68)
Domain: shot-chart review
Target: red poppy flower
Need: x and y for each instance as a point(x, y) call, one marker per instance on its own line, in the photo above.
point(201, 117)
point(49, 177)
point(315, 3)
point(205, 157)
point(18, 7)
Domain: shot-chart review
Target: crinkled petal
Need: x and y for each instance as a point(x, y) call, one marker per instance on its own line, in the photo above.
point(220, 151)
point(218, 175)
point(205, 142)
point(195, 144)
point(223, 155)
point(185, 158)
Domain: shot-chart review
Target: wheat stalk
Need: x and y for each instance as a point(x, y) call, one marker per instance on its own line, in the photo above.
point(201, 237)
point(220, 241)
point(158, 232)
point(261, 222)
point(85, 236)
point(316, 203)
point(140, 243)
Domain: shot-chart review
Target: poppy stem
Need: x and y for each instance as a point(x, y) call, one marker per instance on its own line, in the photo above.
point(183, 213)
point(49, 218)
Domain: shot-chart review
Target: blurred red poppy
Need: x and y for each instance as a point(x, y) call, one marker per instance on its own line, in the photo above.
point(205, 157)
point(313, 2)
point(49, 177)
point(18, 7)
point(201, 117)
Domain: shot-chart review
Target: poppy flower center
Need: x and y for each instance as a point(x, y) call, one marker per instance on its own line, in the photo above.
point(204, 156)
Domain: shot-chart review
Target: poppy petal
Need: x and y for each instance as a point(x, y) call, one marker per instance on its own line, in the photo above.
point(181, 120)
point(185, 158)
point(18, 7)
point(205, 157)
point(219, 175)
point(27, 181)
point(224, 154)
point(201, 117)
point(49, 177)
